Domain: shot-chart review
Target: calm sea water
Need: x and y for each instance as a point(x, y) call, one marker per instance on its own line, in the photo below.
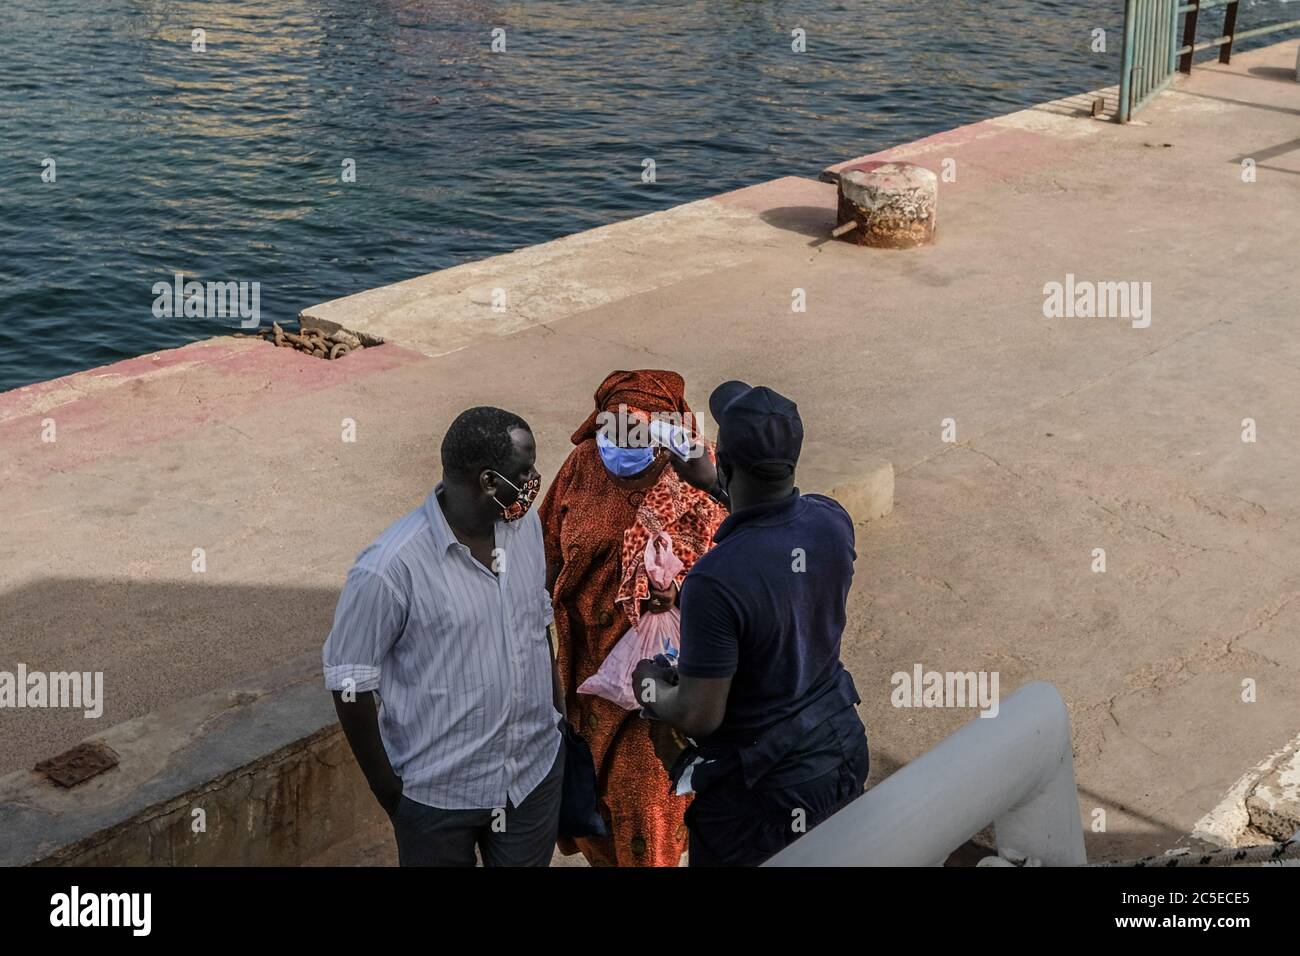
point(226, 164)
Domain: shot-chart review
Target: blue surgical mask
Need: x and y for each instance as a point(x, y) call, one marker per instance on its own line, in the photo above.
point(623, 462)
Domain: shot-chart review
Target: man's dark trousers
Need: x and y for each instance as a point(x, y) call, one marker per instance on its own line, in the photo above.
point(732, 825)
point(523, 836)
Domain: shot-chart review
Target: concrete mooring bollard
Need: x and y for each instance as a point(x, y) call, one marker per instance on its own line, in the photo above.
point(887, 205)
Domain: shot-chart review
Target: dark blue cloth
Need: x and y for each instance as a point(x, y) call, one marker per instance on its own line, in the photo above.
point(766, 607)
point(731, 824)
point(579, 803)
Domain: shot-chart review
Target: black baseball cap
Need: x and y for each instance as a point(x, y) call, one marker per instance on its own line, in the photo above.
point(759, 429)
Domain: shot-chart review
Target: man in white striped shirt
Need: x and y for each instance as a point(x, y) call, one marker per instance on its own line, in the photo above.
point(443, 619)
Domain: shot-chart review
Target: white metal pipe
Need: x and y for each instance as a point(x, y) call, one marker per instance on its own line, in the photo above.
point(1015, 770)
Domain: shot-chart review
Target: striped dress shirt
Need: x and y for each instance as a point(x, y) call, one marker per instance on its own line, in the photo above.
point(459, 656)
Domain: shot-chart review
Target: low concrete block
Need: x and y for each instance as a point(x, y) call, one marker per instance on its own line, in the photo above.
point(869, 496)
point(863, 485)
point(256, 775)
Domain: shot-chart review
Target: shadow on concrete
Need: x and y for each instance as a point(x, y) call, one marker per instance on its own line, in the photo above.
point(814, 221)
point(1276, 73)
point(1237, 102)
point(156, 643)
point(1080, 105)
point(1129, 844)
point(1271, 152)
point(1259, 156)
point(1279, 169)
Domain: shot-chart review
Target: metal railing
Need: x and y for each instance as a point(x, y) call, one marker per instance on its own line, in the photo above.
point(1230, 32)
point(1151, 54)
point(1015, 770)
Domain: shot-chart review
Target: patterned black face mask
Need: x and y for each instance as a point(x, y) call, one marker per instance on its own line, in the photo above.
point(519, 507)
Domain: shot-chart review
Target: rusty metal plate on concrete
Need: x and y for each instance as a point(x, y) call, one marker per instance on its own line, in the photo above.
point(78, 764)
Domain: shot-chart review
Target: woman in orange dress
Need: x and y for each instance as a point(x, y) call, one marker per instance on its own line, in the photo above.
point(596, 526)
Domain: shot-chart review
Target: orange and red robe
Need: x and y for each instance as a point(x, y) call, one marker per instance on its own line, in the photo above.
point(592, 533)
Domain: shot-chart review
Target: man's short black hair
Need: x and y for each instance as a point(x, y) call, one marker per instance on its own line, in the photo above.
point(479, 438)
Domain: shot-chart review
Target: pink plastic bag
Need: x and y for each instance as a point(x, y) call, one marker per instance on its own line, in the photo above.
point(654, 634)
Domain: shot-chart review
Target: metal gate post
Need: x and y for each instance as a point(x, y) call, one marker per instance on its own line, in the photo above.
point(1126, 66)
point(1229, 28)
point(1189, 39)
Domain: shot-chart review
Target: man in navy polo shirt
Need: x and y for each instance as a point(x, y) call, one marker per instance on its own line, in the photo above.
point(777, 746)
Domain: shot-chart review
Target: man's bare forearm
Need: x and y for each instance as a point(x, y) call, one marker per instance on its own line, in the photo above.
point(663, 703)
point(694, 706)
point(360, 721)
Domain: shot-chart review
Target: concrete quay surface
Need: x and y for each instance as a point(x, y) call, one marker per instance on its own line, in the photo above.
point(1071, 434)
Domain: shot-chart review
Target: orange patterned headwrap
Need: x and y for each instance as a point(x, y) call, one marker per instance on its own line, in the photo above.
point(648, 390)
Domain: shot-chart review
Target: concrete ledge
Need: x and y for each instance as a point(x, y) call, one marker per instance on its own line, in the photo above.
point(1274, 803)
point(448, 310)
point(864, 485)
point(266, 764)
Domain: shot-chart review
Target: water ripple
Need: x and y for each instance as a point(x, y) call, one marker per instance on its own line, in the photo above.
point(226, 164)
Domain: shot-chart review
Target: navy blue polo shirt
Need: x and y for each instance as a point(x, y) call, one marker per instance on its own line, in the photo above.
point(765, 607)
